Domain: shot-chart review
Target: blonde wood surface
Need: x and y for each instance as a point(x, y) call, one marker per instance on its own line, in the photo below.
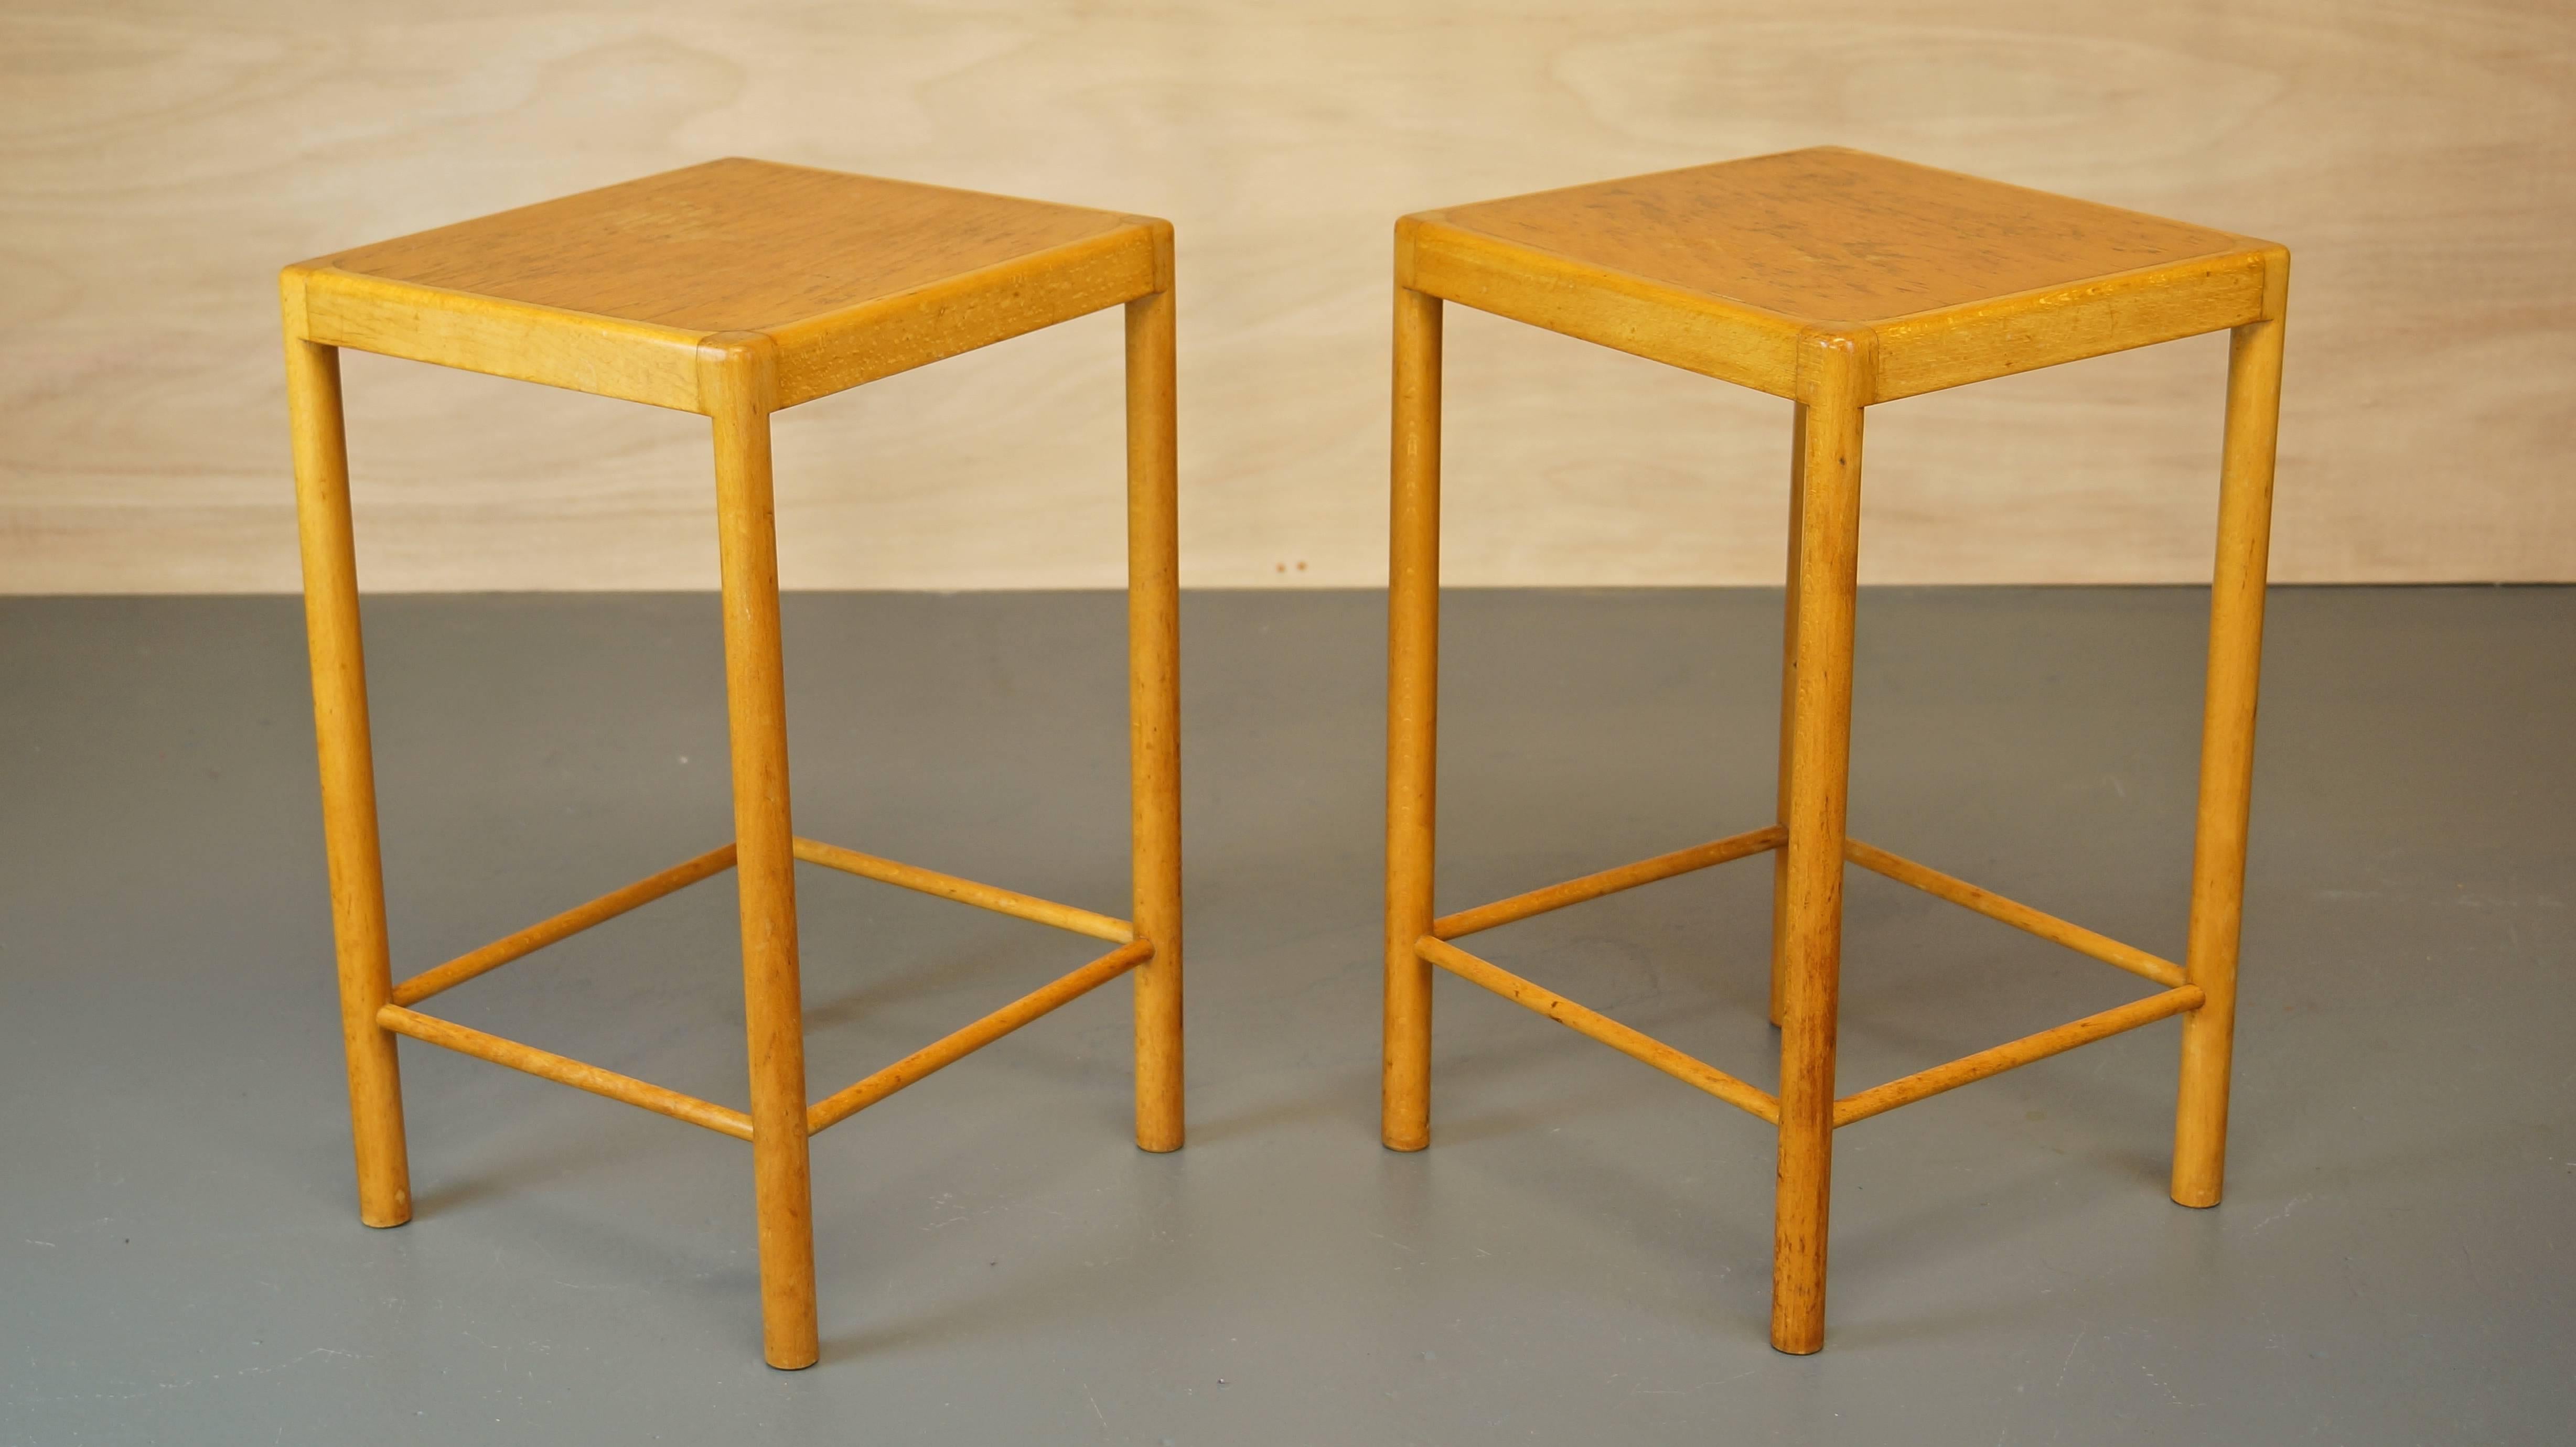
point(613, 291)
point(1811, 906)
point(734, 245)
point(561, 927)
point(1412, 718)
point(811, 282)
point(347, 758)
point(1836, 236)
point(840, 1105)
point(635, 361)
point(1608, 881)
point(1788, 705)
point(1774, 273)
point(1631, 1043)
point(1659, 321)
point(564, 1070)
point(2026, 331)
point(1726, 268)
point(738, 381)
point(833, 279)
point(1154, 708)
point(1908, 1089)
point(965, 891)
point(2227, 759)
point(878, 339)
point(2012, 912)
point(159, 160)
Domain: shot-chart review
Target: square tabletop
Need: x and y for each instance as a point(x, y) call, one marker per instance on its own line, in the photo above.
point(1825, 239)
point(851, 277)
point(729, 246)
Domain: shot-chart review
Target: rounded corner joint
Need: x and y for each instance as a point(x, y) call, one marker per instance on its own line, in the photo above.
point(738, 368)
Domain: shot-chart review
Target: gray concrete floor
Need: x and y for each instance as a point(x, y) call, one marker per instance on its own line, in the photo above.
point(1581, 1256)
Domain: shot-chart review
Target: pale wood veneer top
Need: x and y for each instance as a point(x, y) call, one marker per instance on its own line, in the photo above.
point(1835, 236)
point(730, 245)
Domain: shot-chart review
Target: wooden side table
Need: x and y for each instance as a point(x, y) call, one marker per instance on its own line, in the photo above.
point(735, 289)
point(1837, 280)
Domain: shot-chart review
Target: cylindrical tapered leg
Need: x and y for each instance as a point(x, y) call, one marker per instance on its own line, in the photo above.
point(1412, 708)
point(1811, 895)
point(347, 758)
point(764, 861)
point(1788, 703)
point(2227, 757)
point(1154, 713)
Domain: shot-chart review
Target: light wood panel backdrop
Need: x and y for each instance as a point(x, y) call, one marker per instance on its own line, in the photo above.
point(160, 160)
